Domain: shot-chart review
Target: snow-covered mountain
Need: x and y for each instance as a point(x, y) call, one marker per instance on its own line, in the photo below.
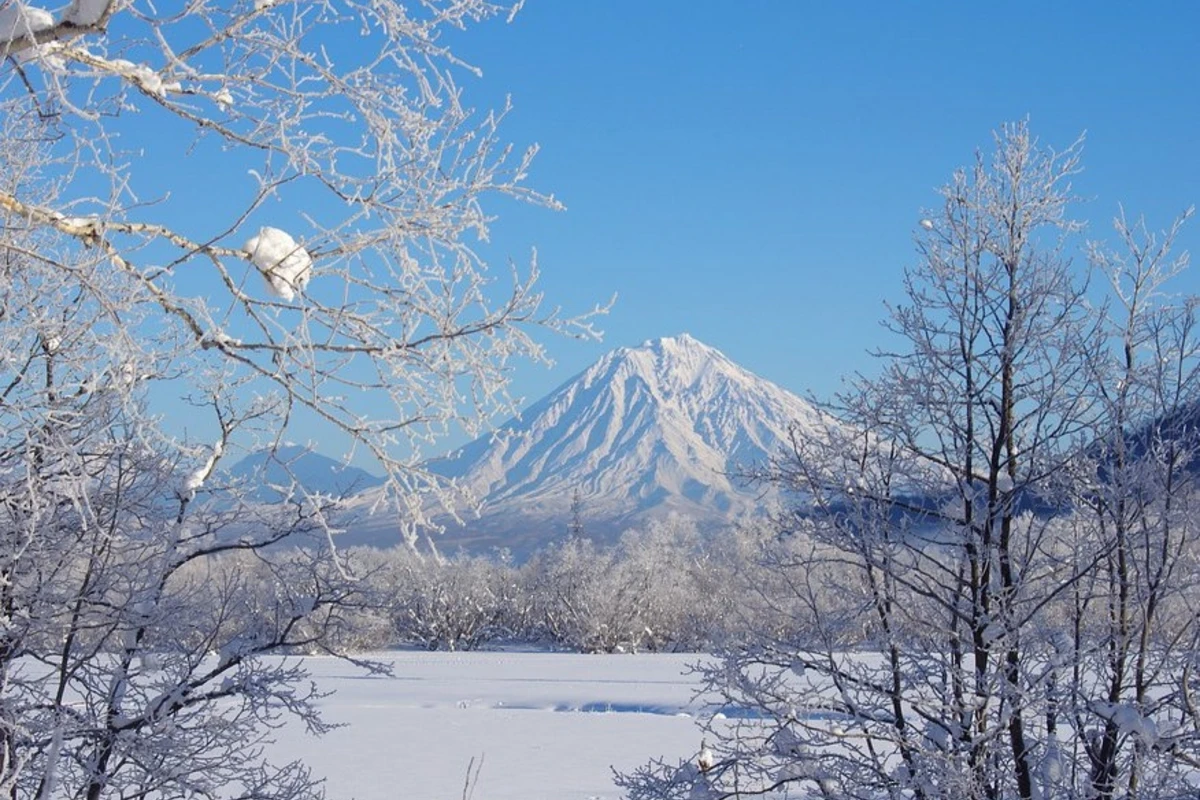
point(311, 472)
point(643, 432)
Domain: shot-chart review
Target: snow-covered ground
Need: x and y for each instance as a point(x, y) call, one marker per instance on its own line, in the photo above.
point(547, 725)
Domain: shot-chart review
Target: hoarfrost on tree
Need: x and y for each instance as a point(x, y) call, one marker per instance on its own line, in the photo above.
point(991, 584)
point(119, 574)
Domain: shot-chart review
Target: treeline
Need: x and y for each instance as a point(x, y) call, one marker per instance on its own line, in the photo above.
point(667, 587)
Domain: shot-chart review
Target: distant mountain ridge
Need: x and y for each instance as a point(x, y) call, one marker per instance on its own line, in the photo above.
point(643, 433)
point(310, 471)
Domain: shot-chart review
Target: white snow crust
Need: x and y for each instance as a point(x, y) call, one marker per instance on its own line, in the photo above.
point(284, 264)
point(547, 725)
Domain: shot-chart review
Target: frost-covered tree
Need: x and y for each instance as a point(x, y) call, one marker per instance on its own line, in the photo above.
point(327, 252)
point(680, 590)
point(1131, 618)
point(454, 604)
point(300, 257)
point(614, 598)
point(987, 588)
point(579, 600)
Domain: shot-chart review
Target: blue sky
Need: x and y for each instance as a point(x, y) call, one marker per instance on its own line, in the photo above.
point(752, 173)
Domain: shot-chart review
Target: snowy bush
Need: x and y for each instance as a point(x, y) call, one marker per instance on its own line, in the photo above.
point(447, 605)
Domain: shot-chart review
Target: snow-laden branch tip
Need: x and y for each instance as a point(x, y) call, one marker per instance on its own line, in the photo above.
point(145, 77)
point(706, 759)
point(196, 479)
point(284, 264)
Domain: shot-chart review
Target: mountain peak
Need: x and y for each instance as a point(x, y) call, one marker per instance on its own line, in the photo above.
point(683, 341)
point(644, 432)
point(670, 365)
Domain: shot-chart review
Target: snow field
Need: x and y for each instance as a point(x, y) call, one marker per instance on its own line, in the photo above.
point(547, 725)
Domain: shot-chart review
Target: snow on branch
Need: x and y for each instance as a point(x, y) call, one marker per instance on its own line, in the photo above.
point(87, 12)
point(407, 312)
point(196, 478)
point(285, 265)
point(19, 21)
point(23, 26)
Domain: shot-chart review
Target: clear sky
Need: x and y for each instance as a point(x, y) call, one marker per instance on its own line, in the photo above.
point(752, 173)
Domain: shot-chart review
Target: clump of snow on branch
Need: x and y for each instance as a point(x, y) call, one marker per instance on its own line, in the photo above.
point(1052, 769)
point(284, 264)
point(1130, 721)
point(196, 479)
point(86, 12)
point(143, 76)
point(19, 21)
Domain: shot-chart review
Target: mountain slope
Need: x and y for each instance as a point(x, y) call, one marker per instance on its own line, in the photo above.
point(311, 472)
point(642, 433)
